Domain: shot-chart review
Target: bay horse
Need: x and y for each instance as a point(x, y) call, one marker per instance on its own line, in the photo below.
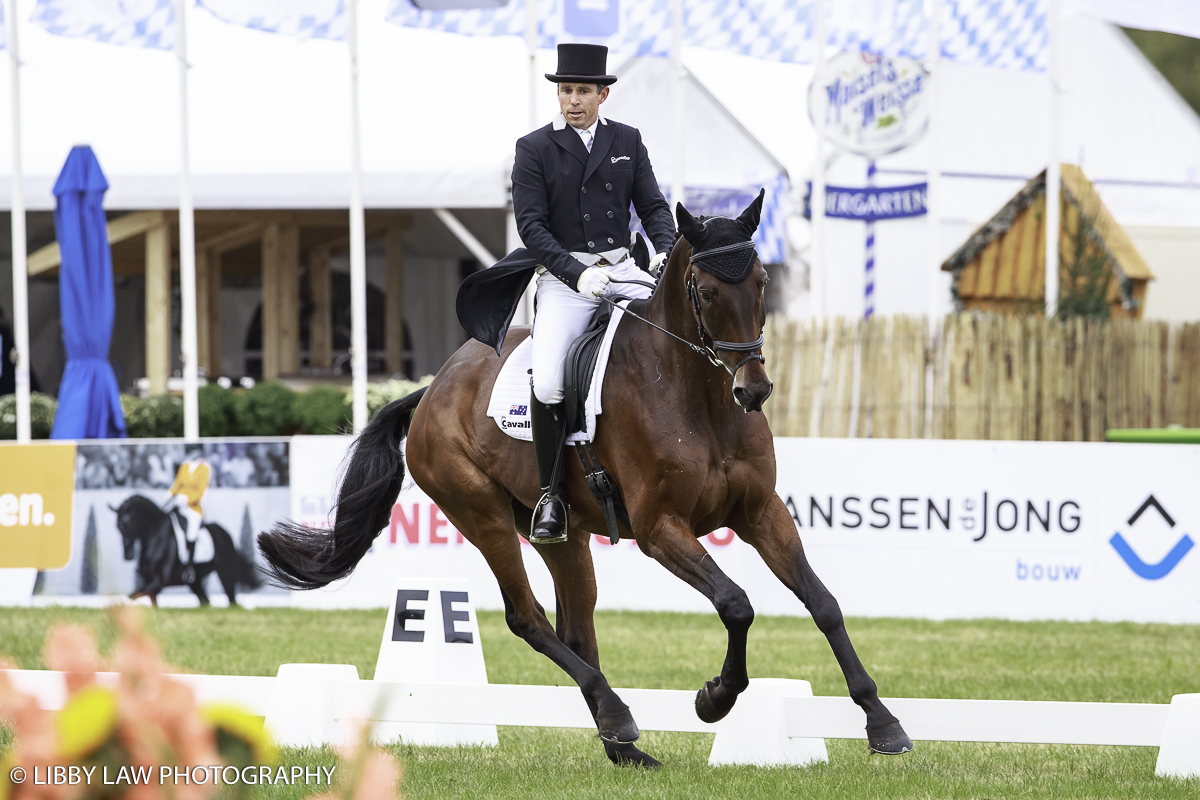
point(141, 521)
point(678, 435)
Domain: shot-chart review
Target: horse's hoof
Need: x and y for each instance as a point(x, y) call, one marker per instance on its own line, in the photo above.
point(714, 701)
point(619, 729)
point(627, 755)
point(888, 740)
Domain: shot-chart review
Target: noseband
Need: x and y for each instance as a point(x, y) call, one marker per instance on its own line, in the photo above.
point(704, 349)
point(732, 347)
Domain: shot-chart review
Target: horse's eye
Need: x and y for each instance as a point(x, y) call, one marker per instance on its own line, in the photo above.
point(706, 295)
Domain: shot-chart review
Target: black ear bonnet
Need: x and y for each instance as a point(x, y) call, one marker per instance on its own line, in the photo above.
point(722, 246)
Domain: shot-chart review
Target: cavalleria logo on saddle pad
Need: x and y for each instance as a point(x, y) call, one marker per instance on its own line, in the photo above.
point(516, 410)
point(37, 482)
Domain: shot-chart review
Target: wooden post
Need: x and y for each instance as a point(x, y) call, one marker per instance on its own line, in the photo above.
point(320, 324)
point(158, 308)
point(203, 360)
point(394, 326)
point(289, 299)
point(214, 314)
point(270, 302)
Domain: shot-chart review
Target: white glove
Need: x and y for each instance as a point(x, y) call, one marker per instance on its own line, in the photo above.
point(593, 281)
point(656, 263)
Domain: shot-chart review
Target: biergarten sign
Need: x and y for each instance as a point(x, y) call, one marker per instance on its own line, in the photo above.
point(871, 203)
point(873, 104)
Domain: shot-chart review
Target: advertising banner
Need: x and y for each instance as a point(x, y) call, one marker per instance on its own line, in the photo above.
point(148, 510)
point(933, 529)
point(35, 505)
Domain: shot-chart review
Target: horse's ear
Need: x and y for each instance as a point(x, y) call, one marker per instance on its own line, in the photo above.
point(748, 221)
point(688, 226)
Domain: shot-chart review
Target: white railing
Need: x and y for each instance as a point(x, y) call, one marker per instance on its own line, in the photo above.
point(775, 722)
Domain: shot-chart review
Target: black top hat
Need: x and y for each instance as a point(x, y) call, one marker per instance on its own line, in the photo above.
point(582, 63)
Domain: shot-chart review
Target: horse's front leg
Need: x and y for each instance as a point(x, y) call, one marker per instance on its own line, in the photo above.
point(675, 547)
point(777, 541)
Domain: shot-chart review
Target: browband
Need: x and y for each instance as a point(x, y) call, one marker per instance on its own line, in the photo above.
point(716, 251)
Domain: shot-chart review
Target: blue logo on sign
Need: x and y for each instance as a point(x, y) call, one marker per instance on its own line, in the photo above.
point(1151, 572)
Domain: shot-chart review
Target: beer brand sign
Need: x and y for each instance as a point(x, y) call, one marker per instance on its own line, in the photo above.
point(872, 104)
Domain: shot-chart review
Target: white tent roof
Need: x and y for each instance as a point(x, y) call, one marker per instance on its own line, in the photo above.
point(270, 117)
point(718, 149)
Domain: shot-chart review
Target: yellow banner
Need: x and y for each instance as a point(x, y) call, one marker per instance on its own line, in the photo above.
point(37, 487)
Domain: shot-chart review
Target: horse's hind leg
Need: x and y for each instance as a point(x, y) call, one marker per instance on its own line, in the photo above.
point(674, 546)
point(780, 547)
point(480, 509)
point(570, 565)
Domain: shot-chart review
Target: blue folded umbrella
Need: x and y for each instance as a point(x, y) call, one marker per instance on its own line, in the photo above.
point(89, 400)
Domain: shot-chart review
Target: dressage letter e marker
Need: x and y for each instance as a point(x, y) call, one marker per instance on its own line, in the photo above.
point(411, 651)
point(404, 614)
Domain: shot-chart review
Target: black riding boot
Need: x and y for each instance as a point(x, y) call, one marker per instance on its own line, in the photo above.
point(549, 437)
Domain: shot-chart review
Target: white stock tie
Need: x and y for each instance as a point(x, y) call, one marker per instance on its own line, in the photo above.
point(587, 140)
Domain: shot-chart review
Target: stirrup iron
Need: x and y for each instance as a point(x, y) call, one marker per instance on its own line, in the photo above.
point(546, 499)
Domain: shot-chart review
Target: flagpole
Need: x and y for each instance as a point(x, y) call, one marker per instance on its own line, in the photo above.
point(816, 267)
point(531, 45)
point(677, 99)
point(20, 273)
point(933, 193)
point(1053, 168)
point(933, 181)
point(358, 240)
point(187, 243)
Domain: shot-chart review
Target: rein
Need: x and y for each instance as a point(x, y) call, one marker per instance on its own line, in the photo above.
point(703, 349)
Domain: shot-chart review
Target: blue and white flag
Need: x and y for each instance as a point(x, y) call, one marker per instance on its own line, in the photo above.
point(138, 23)
point(303, 19)
point(632, 27)
point(996, 33)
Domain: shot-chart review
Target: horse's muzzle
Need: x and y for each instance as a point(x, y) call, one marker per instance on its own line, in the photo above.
point(751, 397)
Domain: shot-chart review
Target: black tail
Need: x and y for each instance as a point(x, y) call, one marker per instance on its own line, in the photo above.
point(309, 558)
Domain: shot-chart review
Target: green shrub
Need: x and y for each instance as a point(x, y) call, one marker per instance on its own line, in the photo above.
point(380, 394)
point(216, 410)
point(41, 415)
point(265, 410)
point(155, 417)
point(323, 409)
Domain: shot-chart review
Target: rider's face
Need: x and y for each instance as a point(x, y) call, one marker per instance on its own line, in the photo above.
point(580, 102)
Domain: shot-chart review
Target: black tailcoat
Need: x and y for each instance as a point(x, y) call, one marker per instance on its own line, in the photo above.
point(566, 200)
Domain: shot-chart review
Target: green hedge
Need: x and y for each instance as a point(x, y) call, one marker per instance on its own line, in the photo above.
point(41, 411)
point(267, 409)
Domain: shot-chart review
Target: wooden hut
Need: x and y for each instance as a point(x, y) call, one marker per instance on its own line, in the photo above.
point(1002, 266)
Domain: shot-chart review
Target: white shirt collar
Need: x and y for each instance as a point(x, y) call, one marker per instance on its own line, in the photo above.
point(559, 122)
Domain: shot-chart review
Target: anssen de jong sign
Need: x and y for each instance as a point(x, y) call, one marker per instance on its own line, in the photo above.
point(873, 104)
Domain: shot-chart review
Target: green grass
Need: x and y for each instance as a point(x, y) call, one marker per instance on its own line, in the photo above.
point(908, 658)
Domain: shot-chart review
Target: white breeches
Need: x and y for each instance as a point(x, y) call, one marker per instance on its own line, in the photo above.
point(194, 521)
point(562, 315)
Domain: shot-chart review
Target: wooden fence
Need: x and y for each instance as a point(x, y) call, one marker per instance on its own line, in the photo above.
point(980, 376)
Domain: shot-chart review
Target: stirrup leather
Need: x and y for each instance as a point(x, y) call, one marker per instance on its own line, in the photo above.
point(546, 499)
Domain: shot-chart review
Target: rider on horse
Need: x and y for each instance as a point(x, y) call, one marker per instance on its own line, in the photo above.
point(573, 182)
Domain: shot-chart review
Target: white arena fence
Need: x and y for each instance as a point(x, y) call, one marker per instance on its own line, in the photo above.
point(776, 722)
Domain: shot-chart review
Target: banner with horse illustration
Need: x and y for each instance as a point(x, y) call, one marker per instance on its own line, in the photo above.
point(172, 518)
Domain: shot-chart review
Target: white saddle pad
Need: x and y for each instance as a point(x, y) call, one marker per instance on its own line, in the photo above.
point(509, 405)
